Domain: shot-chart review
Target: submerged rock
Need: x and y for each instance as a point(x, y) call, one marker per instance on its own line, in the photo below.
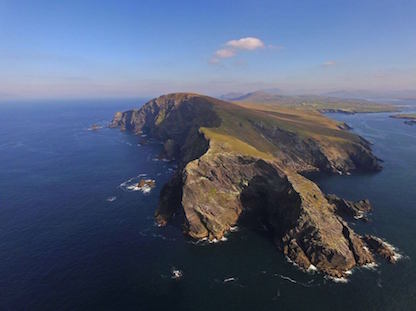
point(95, 127)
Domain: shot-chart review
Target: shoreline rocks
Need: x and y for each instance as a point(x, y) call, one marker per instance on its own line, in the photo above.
point(345, 208)
point(382, 248)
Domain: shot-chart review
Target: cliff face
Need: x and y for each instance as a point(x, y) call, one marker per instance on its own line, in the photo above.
point(235, 162)
point(174, 120)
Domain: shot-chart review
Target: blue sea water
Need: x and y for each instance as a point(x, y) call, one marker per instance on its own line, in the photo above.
point(67, 244)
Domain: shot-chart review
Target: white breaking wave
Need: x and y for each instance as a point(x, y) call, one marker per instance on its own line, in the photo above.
point(234, 229)
point(336, 280)
point(288, 279)
point(370, 266)
point(291, 261)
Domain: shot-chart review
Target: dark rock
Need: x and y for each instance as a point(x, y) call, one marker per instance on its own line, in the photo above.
point(381, 248)
point(344, 126)
point(345, 208)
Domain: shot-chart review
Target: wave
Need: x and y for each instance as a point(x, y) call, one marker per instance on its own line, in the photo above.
point(137, 183)
point(370, 266)
point(336, 280)
point(288, 279)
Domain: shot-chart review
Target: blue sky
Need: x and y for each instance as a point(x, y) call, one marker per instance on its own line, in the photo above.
point(67, 49)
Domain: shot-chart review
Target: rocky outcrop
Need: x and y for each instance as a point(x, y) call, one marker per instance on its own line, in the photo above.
point(345, 208)
point(174, 120)
point(218, 189)
point(223, 180)
point(382, 248)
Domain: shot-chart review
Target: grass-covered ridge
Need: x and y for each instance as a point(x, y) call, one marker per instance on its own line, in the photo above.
point(241, 128)
point(301, 139)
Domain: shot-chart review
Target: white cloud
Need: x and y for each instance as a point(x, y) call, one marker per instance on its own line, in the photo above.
point(248, 43)
point(225, 53)
point(329, 63)
point(232, 47)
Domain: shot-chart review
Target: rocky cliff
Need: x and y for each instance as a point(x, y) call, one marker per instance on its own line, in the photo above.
point(238, 163)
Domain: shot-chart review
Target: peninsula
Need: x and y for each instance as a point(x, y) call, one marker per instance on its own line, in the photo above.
point(409, 118)
point(312, 102)
point(248, 162)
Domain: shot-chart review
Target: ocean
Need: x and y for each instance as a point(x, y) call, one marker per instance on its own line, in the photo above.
point(74, 237)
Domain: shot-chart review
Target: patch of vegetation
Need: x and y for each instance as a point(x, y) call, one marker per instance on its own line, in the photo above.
point(405, 116)
point(233, 144)
point(160, 117)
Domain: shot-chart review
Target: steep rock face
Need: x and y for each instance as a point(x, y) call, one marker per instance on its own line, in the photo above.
point(308, 154)
point(222, 180)
point(218, 188)
point(175, 120)
point(320, 237)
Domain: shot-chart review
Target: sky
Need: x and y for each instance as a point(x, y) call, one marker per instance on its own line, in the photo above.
point(95, 49)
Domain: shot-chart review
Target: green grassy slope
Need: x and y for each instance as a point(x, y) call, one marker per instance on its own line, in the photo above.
point(239, 129)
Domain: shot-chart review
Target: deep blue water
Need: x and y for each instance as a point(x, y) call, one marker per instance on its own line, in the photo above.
point(63, 246)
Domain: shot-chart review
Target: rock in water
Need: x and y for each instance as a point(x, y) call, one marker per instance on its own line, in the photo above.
point(238, 163)
point(382, 248)
point(176, 274)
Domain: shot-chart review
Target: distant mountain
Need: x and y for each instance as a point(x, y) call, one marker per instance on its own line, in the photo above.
point(274, 91)
point(232, 95)
point(374, 95)
point(259, 97)
point(240, 95)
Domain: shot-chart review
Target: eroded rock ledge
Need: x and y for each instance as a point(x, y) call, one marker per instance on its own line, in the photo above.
point(220, 180)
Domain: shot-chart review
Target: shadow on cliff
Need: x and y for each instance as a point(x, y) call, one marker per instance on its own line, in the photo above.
point(270, 206)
